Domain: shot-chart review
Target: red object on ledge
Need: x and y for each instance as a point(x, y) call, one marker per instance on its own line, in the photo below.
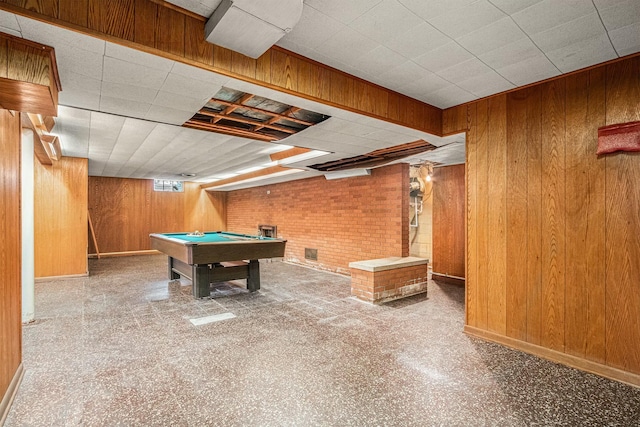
point(619, 137)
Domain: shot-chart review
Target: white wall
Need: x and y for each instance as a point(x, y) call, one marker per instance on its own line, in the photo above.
point(27, 202)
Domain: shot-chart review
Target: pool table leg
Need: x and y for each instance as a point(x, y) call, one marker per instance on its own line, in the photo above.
point(200, 281)
point(172, 274)
point(253, 280)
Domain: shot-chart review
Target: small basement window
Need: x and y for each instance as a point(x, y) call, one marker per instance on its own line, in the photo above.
point(167, 185)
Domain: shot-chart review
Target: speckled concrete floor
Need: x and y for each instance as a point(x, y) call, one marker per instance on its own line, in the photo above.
point(118, 348)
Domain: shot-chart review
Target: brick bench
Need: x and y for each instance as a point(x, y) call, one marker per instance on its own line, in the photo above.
point(387, 279)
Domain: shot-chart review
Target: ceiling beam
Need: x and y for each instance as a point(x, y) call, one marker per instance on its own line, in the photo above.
point(262, 172)
point(211, 127)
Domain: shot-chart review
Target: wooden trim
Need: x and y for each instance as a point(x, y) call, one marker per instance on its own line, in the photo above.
point(180, 9)
point(126, 253)
point(63, 277)
point(295, 151)
point(10, 395)
point(261, 172)
point(451, 280)
point(556, 356)
point(194, 124)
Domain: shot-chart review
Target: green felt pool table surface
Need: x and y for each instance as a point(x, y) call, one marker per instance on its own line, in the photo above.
point(214, 237)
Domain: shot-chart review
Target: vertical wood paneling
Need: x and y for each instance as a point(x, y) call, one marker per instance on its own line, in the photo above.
point(283, 70)
point(243, 65)
point(169, 34)
point(4, 59)
point(60, 218)
point(222, 59)
point(496, 214)
point(585, 210)
point(517, 214)
point(471, 270)
point(195, 47)
point(482, 115)
point(146, 14)
point(623, 224)
point(114, 17)
point(126, 211)
point(553, 214)
point(10, 249)
point(263, 67)
point(45, 7)
point(448, 220)
point(454, 119)
point(534, 216)
point(75, 12)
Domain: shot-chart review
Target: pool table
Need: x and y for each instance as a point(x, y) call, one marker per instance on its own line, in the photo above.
point(216, 257)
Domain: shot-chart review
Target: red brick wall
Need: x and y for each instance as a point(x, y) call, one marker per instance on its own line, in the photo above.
point(347, 220)
point(388, 284)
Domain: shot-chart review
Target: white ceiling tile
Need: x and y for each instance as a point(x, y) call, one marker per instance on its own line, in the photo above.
point(429, 82)
point(179, 102)
point(443, 57)
point(492, 36)
point(127, 54)
point(486, 84)
point(118, 71)
point(626, 40)
point(8, 21)
point(512, 6)
point(340, 10)
point(530, 70)
point(428, 9)
point(123, 107)
point(618, 14)
point(380, 60)
point(51, 35)
point(129, 92)
point(346, 46)
point(312, 30)
point(583, 53)
point(10, 31)
point(404, 74)
point(465, 70)
point(449, 96)
point(385, 20)
point(195, 73)
point(467, 19)
point(417, 40)
point(583, 28)
point(79, 61)
point(72, 124)
point(73, 82)
point(168, 115)
point(192, 88)
point(90, 101)
point(551, 13)
point(512, 53)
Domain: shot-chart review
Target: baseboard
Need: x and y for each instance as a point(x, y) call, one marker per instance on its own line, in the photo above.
point(7, 400)
point(452, 280)
point(125, 253)
point(66, 276)
point(557, 356)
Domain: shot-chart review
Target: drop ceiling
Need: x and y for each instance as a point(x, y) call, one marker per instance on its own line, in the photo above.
point(447, 52)
point(123, 109)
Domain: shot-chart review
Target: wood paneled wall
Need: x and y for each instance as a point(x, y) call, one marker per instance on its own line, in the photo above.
point(164, 30)
point(10, 251)
point(60, 217)
point(449, 221)
point(552, 229)
point(125, 211)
